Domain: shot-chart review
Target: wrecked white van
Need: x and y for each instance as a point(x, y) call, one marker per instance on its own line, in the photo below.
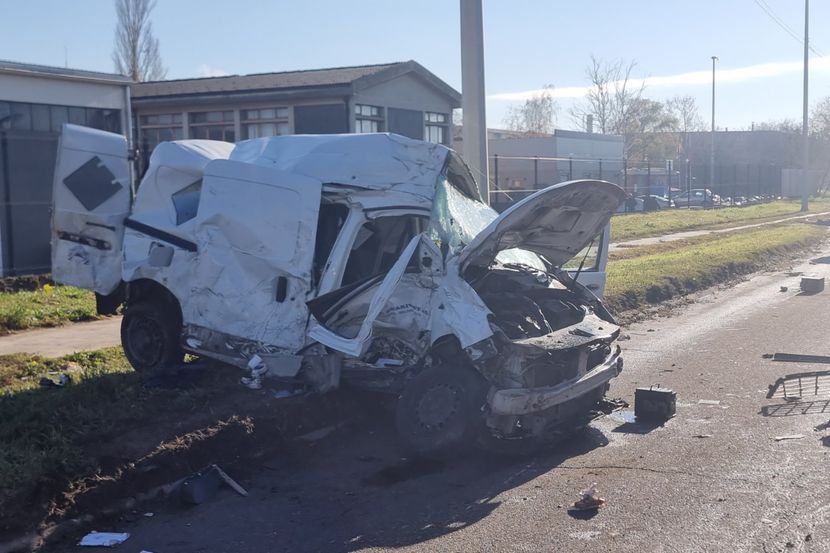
point(360, 260)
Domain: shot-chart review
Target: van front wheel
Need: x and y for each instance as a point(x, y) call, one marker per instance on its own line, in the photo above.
point(150, 336)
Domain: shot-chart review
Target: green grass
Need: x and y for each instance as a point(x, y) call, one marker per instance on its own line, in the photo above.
point(50, 435)
point(655, 273)
point(643, 225)
point(46, 306)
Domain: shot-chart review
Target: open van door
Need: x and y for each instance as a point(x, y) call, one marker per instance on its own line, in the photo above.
point(593, 272)
point(91, 199)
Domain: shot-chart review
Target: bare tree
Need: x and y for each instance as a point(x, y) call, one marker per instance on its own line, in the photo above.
point(684, 109)
point(612, 96)
point(136, 52)
point(536, 116)
point(782, 125)
point(650, 131)
point(820, 119)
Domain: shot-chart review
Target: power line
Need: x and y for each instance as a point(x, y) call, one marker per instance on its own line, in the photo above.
point(786, 28)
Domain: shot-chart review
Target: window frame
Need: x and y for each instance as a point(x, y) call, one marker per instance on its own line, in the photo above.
point(437, 121)
point(245, 121)
point(376, 119)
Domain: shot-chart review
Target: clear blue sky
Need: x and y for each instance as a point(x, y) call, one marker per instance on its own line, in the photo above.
point(528, 43)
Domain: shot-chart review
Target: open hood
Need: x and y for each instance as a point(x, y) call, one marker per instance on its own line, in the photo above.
point(555, 223)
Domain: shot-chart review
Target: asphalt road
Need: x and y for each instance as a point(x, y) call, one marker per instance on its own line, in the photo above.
point(712, 479)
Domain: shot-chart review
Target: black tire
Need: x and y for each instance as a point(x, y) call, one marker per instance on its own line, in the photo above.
point(150, 333)
point(439, 412)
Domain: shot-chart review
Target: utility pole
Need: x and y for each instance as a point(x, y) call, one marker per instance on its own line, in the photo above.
point(805, 191)
point(712, 145)
point(474, 132)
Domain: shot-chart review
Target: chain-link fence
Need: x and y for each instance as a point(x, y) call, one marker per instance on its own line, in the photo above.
point(514, 177)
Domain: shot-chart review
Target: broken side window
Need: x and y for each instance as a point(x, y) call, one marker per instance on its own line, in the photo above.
point(331, 219)
point(378, 244)
point(186, 202)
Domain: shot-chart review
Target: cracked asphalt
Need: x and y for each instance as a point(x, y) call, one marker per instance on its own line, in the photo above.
point(713, 478)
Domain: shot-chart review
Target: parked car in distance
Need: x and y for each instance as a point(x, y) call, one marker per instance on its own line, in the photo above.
point(698, 197)
point(652, 202)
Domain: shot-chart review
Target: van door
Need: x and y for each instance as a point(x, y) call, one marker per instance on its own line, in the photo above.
point(91, 199)
point(255, 232)
point(593, 272)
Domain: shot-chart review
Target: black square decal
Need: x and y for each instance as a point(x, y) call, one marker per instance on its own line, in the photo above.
point(92, 183)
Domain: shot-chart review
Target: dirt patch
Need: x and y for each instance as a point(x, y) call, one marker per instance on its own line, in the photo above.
point(236, 428)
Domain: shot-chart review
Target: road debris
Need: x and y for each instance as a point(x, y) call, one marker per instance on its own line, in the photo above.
point(788, 437)
point(708, 402)
point(588, 499)
point(654, 404)
point(797, 358)
point(104, 539)
point(784, 289)
point(812, 284)
point(62, 381)
point(204, 484)
point(702, 436)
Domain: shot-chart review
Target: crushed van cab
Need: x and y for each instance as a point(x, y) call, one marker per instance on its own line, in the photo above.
point(360, 260)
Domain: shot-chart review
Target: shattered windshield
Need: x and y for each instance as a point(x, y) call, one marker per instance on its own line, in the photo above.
point(456, 219)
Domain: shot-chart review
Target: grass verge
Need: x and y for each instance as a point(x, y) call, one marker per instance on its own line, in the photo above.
point(656, 273)
point(108, 435)
point(643, 225)
point(46, 306)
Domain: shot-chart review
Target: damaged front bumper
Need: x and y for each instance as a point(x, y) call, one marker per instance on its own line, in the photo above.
point(524, 401)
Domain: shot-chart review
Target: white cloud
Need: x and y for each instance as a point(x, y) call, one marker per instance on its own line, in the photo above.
point(207, 71)
point(693, 78)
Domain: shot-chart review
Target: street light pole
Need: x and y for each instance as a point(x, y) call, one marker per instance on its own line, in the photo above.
point(474, 131)
point(805, 190)
point(712, 145)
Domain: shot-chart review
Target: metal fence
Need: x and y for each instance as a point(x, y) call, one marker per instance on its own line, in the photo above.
point(514, 177)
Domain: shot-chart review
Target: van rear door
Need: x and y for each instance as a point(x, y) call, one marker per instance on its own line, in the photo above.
point(91, 199)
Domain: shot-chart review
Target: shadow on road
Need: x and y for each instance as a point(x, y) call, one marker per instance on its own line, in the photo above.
point(354, 492)
point(791, 408)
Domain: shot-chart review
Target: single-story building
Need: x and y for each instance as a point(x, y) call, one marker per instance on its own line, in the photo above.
point(35, 101)
point(403, 98)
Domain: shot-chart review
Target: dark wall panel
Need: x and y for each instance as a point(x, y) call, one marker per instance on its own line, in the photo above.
point(323, 119)
point(406, 122)
point(27, 199)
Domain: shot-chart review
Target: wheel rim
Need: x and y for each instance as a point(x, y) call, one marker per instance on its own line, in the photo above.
point(146, 341)
point(437, 407)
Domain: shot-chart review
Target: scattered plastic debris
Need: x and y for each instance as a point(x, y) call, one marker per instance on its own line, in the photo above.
point(702, 436)
point(318, 434)
point(204, 484)
point(282, 394)
point(708, 402)
point(588, 499)
point(257, 368)
point(104, 539)
point(788, 437)
point(62, 381)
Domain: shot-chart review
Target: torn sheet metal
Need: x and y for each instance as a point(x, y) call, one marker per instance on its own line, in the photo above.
point(371, 161)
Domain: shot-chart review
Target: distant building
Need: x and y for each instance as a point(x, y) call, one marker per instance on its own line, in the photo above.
point(35, 101)
point(520, 164)
point(403, 98)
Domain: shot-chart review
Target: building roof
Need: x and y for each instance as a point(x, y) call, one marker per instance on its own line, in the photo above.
point(34, 70)
point(355, 77)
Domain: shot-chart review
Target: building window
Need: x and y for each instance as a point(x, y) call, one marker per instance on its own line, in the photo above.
point(264, 122)
point(50, 118)
point(159, 128)
point(437, 127)
point(368, 118)
point(212, 125)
